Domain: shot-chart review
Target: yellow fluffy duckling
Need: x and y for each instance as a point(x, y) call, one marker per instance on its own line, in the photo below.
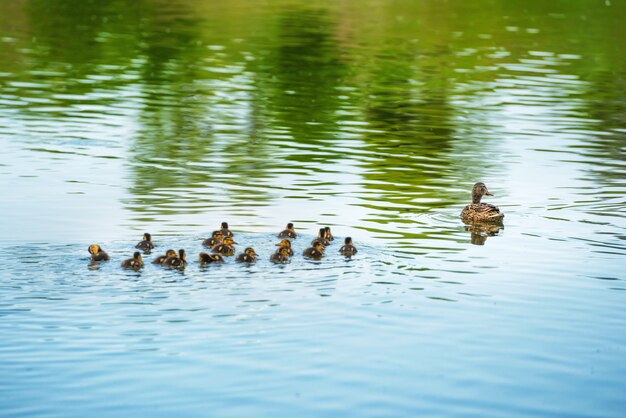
point(348, 249)
point(321, 238)
point(204, 258)
point(226, 247)
point(481, 212)
point(289, 232)
point(146, 244)
point(134, 263)
point(280, 256)
point(161, 259)
point(225, 231)
point(178, 261)
point(216, 238)
point(97, 253)
point(247, 256)
point(285, 244)
point(315, 251)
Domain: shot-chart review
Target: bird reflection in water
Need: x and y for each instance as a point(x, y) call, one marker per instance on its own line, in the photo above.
point(480, 231)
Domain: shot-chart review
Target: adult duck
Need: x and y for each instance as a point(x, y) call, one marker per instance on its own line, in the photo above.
point(481, 212)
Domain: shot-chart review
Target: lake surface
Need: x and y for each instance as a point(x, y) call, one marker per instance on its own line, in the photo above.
point(373, 117)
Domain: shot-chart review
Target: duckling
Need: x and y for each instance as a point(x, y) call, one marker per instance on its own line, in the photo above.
point(225, 248)
point(177, 261)
point(134, 263)
point(97, 253)
point(146, 244)
point(348, 249)
point(328, 236)
point(204, 258)
point(281, 255)
point(289, 232)
point(225, 231)
point(161, 259)
point(320, 237)
point(481, 212)
point(248, 256)
point(315, 251)
point(285, 244)
point(216, 238)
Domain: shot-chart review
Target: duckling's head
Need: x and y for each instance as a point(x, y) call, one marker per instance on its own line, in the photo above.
point(224, 225)
point(478, 191)
point(217, 234)
point(327, 230)
point(317, 245)
point(137, 256)
point(229, 241)
point(289, 225)
point(147, 237)
point(170, 253)
point(283, 250)
point(321, 233)
point(348, 241)
point(250, 251)
point(94, 249)
point(182, 255)
point(284, 243)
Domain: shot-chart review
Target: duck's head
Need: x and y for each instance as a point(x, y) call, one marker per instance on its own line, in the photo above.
point(137, 256)
point(250, 251)
point(478, 191)
point(348, 241)
point(321, 233)
point(217, 235)
point(283, 250)
point(229, 241)
point(284, 244)
point(94, 249)
point(224, 225)
point(182, 255)
point(317, 245)
point(327, 232)
point(170, 253)
point(147, 237)
point(290, 226)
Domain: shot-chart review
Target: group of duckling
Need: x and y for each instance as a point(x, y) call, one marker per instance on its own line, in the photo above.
point(222, 244)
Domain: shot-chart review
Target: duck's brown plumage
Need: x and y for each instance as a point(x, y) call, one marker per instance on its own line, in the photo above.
point(315, 251)
point(178, 261)
point(348, 249)
point(225, 231)
point(146, 244)
point(216, 239)
point(285, 244)
point(281, 255)
point(97, 253)
point(481, 212)
point(134, 263)
point(204, 258)
point(161, 259)
point(289, 232)
point(225, 248)
point(248, 256)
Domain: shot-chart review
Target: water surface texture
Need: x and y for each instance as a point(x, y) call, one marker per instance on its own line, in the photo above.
point(373, 117)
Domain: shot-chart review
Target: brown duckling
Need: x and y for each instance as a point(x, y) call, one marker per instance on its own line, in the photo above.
point(328, 236)
point(97, 253)
point(281, 255)
point(481, 212)
point(289, 232)
point(204, 258)
point(315, 251)
point(178, 261)
point(285, 244)
point(247, 256)
point(216, 238)
point(321, 238)
point(134, 263)
point(161, 259)
point(348, 249)
point(146, 244)
point(225, 231)
point(226, 247)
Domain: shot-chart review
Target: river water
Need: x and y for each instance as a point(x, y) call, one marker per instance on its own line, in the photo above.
point(376, 118)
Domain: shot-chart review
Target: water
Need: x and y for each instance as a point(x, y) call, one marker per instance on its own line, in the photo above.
point(375, 118)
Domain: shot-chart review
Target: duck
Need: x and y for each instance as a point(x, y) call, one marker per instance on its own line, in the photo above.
point(321, 238)
point(204, 258)
point(225, 231)
point(481, 212)
point(280, 256)
point(289, 232)
point(247, 256)
point(328, 235)
point(134, 263)
point(316, 250)
point(146, 244)
point(348, 249)
point(226, 247)
point(285, 244)
point(97, 253)
point(177, 261)
point(161, 259)
point(216, 238)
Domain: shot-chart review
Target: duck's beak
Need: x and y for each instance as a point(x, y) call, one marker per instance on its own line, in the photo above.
point(488, 194)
